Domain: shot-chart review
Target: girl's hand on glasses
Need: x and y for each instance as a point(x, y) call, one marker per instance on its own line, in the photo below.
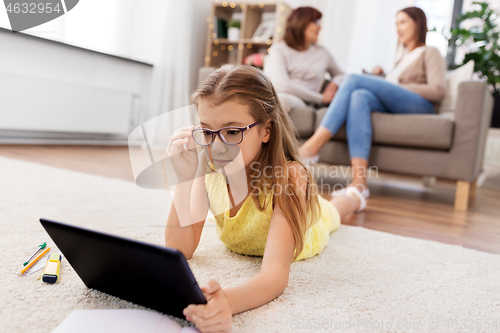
point(184, 161)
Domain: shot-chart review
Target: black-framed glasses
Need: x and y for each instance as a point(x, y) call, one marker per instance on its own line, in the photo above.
point(231, 135)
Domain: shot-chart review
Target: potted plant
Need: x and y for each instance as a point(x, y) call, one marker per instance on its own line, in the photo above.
point(233, 33)
point(481, 43)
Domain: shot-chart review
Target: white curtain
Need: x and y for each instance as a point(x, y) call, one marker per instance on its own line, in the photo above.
point(181, 55)
point(373, 35)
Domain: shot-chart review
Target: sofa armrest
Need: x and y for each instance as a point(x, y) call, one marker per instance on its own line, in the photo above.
point(324, 84)
point(472, 120)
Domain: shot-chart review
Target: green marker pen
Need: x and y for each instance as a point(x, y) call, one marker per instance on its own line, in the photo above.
point(40, 247)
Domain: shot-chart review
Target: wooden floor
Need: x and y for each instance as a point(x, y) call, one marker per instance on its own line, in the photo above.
point(399, 205)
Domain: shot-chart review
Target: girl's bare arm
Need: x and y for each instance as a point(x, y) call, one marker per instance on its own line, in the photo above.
point(272, 279)
point(189, 204)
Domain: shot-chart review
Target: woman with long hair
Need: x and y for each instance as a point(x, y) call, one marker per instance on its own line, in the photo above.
point(415, 85)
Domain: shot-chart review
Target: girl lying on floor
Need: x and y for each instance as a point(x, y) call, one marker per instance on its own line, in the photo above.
point(282, 218)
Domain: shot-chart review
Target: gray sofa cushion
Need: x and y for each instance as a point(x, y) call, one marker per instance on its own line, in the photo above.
point(303, 119)
point(407, 130)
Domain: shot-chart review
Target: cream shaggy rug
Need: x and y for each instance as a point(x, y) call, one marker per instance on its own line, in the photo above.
point(364, 281)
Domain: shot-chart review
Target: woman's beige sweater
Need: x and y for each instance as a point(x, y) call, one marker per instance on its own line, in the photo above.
point(425, 76)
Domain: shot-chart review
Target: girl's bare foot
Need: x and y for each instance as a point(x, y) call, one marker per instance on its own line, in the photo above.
point(360, 184)
point(361, 200)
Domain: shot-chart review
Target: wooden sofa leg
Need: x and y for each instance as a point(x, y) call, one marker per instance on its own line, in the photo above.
point(473, 189)
point(462, 196)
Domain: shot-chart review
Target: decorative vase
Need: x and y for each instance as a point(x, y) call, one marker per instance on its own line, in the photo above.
point(233, 34)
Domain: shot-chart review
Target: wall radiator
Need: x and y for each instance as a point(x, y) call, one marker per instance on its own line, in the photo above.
point(38, 108)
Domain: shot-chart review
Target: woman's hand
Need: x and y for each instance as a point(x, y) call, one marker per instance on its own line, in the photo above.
point(377, 70)
point(184, 161)
point(329, 92)
point(216, 315)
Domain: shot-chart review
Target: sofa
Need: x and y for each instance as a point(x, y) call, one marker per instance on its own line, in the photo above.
point(447, 145)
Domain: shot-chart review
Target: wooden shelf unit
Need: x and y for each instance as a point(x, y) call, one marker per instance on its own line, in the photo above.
point(222, 51)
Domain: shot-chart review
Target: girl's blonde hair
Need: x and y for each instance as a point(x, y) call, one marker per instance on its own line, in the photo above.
point(249, 86)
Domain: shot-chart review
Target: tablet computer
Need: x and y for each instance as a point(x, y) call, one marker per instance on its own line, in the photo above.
point(153, 276)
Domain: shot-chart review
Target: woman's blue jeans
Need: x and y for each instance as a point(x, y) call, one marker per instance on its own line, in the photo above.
point(357, 97)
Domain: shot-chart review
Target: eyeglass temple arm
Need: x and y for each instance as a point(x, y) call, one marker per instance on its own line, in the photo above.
point(252, 125)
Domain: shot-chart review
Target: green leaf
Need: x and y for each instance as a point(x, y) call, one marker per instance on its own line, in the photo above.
point(487, 56)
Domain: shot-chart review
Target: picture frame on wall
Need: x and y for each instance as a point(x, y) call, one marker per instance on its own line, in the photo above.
point(264, 31)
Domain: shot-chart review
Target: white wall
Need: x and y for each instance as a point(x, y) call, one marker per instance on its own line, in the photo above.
point(30, 57)
point(128, 28)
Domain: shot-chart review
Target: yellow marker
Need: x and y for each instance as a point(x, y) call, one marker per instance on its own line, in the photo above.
point(51, 272)
point(35, 260)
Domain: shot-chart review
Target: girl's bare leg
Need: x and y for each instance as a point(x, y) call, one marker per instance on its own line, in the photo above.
point(346, 205)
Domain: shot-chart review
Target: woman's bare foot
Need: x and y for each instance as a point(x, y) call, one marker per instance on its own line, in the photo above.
point(307, 150)
point(311, 147)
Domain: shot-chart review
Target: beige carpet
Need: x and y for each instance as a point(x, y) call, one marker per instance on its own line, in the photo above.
point(364, 281)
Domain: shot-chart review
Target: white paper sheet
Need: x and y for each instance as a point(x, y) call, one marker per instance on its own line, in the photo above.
point(121, 320)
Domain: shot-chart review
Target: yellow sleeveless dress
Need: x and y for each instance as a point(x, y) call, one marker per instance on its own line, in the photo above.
point(246, 232)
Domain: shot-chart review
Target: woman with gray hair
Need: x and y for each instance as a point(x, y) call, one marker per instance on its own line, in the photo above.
point(296, 65)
